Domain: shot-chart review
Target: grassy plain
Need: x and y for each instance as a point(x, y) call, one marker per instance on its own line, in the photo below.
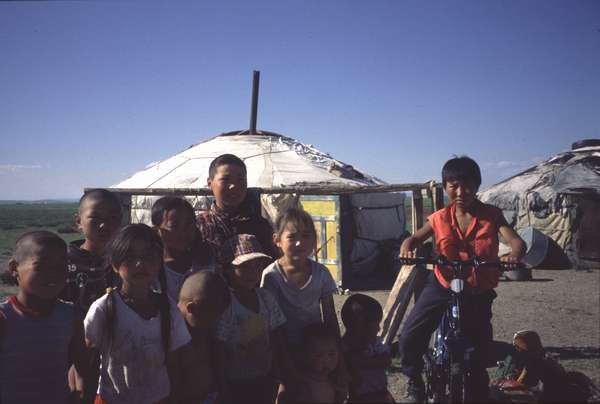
point(18, 218)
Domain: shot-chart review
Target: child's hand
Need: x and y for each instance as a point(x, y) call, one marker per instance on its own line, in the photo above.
point(406, 249)
point(509, 258)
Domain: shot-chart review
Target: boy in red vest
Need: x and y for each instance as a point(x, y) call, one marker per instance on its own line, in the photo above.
point(465, 228)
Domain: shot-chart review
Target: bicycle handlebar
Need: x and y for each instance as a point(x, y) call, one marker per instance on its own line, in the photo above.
point(476, 262)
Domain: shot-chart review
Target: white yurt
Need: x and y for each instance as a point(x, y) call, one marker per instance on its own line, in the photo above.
point(560, 197)
point(354, 229)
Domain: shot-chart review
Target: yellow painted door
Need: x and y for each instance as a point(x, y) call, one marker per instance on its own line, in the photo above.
point(325, 212)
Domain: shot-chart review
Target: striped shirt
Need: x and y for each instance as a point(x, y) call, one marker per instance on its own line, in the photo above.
point(34, 354)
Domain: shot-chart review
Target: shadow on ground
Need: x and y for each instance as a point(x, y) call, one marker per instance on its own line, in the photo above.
point(574, 352)
point(529, 281)
point(501, 349)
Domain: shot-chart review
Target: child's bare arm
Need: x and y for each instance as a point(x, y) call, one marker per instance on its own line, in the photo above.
point(412, 242)
point(329, 316)
point(517, 245)
point(175, 374)
point(79, 353)
point(283, 358)
point(220, 366)
point(80, 356)
point(182, 362)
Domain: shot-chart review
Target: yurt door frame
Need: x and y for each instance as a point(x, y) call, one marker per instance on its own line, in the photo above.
point(325, 212)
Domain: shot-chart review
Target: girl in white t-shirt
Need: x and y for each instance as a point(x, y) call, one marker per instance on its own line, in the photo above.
point(142, 338)
point(303, 288)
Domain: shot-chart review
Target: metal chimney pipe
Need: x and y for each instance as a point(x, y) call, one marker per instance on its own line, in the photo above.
point(253, 112)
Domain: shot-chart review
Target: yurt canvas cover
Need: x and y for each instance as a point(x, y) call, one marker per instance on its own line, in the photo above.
point(560, 197)
point(276, 161)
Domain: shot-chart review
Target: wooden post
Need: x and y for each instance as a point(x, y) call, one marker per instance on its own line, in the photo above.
point(126, 208)
point(409, 278)
point(417, 210)
point(254, 106)
point(438, 197)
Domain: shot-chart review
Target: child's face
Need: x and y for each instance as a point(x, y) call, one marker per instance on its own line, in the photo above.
point(462, 193)
point(323, 356)
point(177, 229)
point(229, 186)
point(141, 265)
point(203, 312)
point(366, 329)
point(98, 220)
point(248, 274)
point(42, 273)
point(296, 241)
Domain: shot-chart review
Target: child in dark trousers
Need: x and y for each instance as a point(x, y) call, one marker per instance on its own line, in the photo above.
point(464, 229)
point(230, 214)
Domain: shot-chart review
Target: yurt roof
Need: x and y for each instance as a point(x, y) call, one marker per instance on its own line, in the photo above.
point(272, 161)
point(573, 172)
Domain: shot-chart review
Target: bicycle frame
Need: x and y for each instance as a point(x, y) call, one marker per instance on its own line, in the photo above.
point(451, 351)
point(448, 362)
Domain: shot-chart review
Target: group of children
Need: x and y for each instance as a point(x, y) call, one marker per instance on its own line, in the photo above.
point(216, 309)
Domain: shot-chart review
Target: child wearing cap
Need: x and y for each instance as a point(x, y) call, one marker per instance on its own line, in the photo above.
point(250, 332)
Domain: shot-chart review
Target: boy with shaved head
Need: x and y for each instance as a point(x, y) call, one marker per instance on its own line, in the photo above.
point(203, 298)
point(39, 334)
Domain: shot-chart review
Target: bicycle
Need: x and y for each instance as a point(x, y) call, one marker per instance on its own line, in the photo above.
point(448, 360)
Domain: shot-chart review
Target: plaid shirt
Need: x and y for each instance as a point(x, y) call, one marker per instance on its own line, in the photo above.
point(216, 226)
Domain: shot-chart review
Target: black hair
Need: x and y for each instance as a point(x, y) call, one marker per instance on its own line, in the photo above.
point(358, 308)
point(102, 194)
point(461, 168)
point(214, 284)
point(36, 238)
point(167, 203)
point(297, 216)
point(222, 160)
point(119, 249)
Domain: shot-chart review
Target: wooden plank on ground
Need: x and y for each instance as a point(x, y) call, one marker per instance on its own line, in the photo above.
point(398, 299)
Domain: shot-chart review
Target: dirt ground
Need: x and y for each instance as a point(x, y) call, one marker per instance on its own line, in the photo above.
point(563, 306)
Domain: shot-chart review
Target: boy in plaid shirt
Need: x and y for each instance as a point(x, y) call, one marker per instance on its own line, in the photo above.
point(230, 214)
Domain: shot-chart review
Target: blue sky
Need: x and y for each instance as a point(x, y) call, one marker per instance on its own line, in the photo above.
point(92, 91)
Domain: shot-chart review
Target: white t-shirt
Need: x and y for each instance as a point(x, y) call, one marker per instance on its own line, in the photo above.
point(175, 279)
point(133, 369)
point(301, 306)
point(246, 336)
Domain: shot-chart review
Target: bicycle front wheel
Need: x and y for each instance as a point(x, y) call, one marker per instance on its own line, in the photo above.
point(458, 382)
